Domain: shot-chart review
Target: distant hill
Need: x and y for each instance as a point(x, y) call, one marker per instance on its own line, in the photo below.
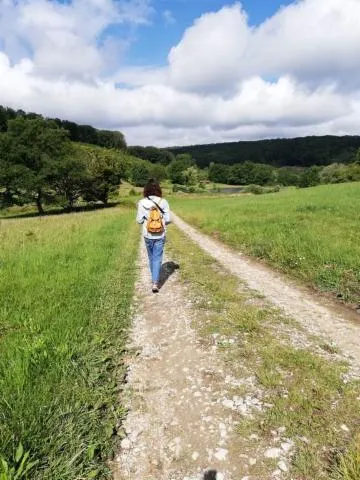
point(304, 152)
point(78, 133)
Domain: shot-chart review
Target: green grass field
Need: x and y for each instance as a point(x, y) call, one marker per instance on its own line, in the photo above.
point(313, 234)
point(66, 286)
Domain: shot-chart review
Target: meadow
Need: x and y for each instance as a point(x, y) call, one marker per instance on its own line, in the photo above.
point(66, 286)
point(312, 234)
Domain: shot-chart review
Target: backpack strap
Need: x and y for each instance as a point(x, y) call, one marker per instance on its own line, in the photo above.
point(158, 206)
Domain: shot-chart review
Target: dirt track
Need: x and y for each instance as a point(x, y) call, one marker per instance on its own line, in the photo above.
point(334, 324)
point(183, 398)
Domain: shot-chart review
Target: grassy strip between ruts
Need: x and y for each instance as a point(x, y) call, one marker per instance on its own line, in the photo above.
point(312, 234)
point(66, 287)
point(309, 393)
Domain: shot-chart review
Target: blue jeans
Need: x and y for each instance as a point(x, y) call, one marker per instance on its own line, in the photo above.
point(155, 250)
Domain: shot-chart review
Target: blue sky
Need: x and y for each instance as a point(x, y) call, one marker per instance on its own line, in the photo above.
point(152, 42)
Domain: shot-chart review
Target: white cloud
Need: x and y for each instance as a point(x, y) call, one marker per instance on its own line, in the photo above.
point(168, 17)
point(210, 51)
point(314, 40)
point(63, 38)
point(298, 73)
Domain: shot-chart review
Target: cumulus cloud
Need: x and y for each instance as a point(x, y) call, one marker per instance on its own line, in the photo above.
point(62, 39)
point(314, 40)
point(295, 74)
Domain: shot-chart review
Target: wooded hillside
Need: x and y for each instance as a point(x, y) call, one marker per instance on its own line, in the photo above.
point(303, 152)
point(77, 133)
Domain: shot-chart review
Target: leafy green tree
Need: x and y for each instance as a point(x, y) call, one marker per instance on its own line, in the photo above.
point(105, 168)
point(139, 173)
point(287, 176)
point(340, 173)
point(110, 139)
point(357, 156)
point(152, 154)
point(262, 174)
point(249, 173)
point(3, 119)
point(238, 175)
point(219, 173)
point(70, 179)
point(12, 175)
point(158, 172)
point(191, 176)
point(310, 177)
point(36, 148)
point(178, 167)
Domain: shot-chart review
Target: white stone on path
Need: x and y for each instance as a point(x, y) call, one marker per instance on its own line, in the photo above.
point(221, 454)
point(272, 453)
point(125, 444)
point(283, 467)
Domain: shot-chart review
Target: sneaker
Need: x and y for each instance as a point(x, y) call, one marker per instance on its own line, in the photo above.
point(155, 288)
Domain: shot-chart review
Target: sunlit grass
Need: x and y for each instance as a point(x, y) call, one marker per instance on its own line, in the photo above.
point(313, 234)
point(66, 285)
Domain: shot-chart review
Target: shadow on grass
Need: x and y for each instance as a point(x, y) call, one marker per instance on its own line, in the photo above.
point(62, 211)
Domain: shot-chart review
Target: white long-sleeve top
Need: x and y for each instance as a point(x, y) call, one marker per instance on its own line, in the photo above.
point(144, 207)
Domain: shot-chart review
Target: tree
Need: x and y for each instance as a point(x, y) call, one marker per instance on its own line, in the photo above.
point(357, 157)
point(139, 173)
point(178, 167)
point(191, 176)
point(152, 154)
point(310, 177)
point(13, 176)
point(287, 176)
point(105, 169)
point(158, 172)
point(110, 139)
point(70, 178)
point(237, 175)
point(36, 148)
point(219, 173)
point(3, 119)
point(262, 174)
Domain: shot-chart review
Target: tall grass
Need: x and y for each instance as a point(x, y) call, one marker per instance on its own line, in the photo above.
point(66, 285)
point(312, 233)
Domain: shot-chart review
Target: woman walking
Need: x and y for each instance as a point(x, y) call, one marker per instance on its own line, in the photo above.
point(154, 213)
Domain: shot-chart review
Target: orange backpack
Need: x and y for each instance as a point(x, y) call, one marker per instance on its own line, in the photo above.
point(155, 220)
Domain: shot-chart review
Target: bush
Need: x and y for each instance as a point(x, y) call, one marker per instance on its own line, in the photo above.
point(340, 173)
point(274, 189)
point(255, 189)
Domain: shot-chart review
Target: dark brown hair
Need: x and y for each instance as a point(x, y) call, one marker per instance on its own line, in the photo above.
point(152, 188)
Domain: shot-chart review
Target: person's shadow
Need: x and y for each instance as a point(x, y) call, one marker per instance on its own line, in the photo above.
point(167, 269)
point(210, 475)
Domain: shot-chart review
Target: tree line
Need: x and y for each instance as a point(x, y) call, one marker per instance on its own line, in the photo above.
point(77, 133)
point(249, 173)
point(40, 164)
point(295, 152)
